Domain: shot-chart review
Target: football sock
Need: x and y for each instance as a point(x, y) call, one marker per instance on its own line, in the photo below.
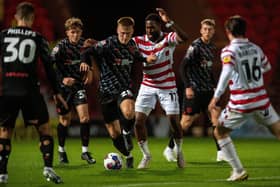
point(127, 125)
point(84, 149)
point(171, 143)
point(215, 139)
point(179, 143)
point(120, 145)
point(84, 132)
point(144, 148)
point(227, 147)
point(61, 134)
point(61, 149)
point(46, 147)
point(4, 153)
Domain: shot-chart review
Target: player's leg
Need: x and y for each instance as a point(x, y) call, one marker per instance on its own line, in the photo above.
point(170, 103)
point(127, 117)
point(36, 105)
point(62, 131)
point(83, 114)
point(230, 121)
point(214, 115)
point(145, 102)
point(270, 118)
point(64, 118)
point(111, 118)
point(9, 108)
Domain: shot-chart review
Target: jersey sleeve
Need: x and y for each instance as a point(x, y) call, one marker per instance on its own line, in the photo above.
point(228, 62)
point(265, 64)
point(188, 61)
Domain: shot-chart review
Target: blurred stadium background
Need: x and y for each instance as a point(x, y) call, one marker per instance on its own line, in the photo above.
point(99, 21)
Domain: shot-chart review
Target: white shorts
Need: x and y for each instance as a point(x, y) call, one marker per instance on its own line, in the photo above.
point(234, 120)
point(148, 96)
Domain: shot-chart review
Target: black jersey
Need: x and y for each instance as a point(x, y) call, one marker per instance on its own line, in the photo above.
point(114, 61)
point(20, 49)
point(67, 58)
point(196, 67)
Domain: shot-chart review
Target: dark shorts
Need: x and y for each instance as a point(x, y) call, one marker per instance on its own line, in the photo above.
point(33, 107)
point(73, 99)
point(111, 110)
point(197, 104)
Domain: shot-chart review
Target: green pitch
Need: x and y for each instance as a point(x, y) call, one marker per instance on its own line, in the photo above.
point(261, 158)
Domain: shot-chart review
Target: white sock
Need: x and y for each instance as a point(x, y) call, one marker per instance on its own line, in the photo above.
point(84, 149)
point(124, 132)
point(228, 149)
point(178, 144)
point(61, 149)
point(144, 148)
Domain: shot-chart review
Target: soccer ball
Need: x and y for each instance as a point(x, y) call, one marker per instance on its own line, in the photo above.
point(113, 161)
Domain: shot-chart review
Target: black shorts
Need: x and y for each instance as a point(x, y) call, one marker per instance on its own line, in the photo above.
point(73, 99)
point(111, 111)
point(197, 104)
point(33, 107)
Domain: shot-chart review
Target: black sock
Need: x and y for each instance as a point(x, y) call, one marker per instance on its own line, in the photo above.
point(61, 134)
point(46, 148)
point(171, 143)
point(120, 145)
point(84, 132)
point(6, 143)
point(216, 141)
point(126, 124)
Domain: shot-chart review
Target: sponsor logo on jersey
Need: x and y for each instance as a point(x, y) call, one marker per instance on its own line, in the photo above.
point(226, 59)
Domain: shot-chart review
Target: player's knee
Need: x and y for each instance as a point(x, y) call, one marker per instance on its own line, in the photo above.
point(128, 114)
point(186, 123)
point(65, 122)
point(46, 140)
point(84, 119)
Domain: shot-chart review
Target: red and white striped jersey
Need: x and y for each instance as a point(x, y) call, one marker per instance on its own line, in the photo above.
point(159, 74)
point(243, 66)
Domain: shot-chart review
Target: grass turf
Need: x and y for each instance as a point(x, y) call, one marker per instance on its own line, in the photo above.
point(259, 156)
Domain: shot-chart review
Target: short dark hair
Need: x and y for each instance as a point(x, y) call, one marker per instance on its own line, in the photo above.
point(126, 21)
point(236, 25)
point(24, 10)
point(153, 17)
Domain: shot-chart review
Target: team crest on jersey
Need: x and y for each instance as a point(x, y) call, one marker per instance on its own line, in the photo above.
point(55, 50)
point(226, 59)
point(101, 43)
point(159, 45)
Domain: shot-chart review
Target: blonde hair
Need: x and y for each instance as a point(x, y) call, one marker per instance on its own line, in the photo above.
point(210, 22)
point(126, 21)
point(73, 22)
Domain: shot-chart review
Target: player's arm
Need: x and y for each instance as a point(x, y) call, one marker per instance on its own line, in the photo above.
point(222, 85)
point(187, 62)
point(50, 72)
point(140, 58)
point(181, 35)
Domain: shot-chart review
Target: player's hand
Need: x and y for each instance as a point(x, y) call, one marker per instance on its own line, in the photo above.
point(89, 42)
point(189, 93)
point(162, 13)
point(84, 67)
point(59, 99)
point(88, 78)
point(68, 81)
point(151, 58)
